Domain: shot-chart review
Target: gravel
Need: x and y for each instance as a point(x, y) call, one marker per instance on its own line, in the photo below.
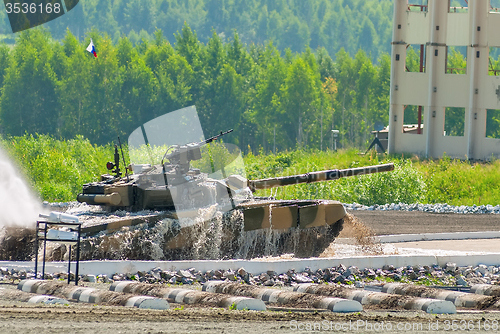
point(435, 208)
point(449, 275)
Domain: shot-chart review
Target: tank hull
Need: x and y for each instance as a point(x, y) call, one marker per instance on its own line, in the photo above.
point(253, 229)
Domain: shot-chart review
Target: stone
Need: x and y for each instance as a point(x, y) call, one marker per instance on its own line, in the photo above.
point(186, 280)
point(481, 269)
point(264, 277)
point(218, 274)
point(461, 280)
point(230, 275)
point(450, 267)
point(269, 282)
point(185, 274)
point(359, 285)
point(166, 275)
point(242, 272)
point(302, 279)
point(339, 279)
point(89, 278)
point(272, 273)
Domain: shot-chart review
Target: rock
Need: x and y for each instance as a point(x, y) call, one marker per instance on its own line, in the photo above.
point(352, 270)
point(481, 269)
point(302, 279)
point(272, 273)
point(104, 279)
point(89, 278)
point(264, 277)
point(269, 282)
point(117, 278)
point(359, 285)
point(166, 275)
point(341, 268)
point(230, 275)
point(389, 267)
point(186, 280)
point(199, 277)
point(371, 273)
point(461, 280)
point(339, 279)
point(242, 272)
point(218, 274)
point(450, 267)
point(185, 274)
point(413, 275)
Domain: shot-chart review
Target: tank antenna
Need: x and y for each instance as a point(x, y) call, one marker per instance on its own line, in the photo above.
point(123, 158)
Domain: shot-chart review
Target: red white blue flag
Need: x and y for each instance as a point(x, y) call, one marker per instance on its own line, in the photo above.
point(91, 48)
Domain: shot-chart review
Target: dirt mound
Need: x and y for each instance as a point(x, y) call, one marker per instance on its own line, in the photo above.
point(17, 243)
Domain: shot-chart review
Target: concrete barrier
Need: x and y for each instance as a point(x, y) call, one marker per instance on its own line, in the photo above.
point(434, 306)
point(486, 289)
point(285, 298)
point(460, 299)
point(189, 296)
point(47, 300)
point(90, 295)
point(27, 297)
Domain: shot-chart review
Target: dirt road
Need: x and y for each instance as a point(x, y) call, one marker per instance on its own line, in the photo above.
point(403, 222)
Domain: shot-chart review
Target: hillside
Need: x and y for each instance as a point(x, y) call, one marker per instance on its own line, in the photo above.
point(294, 24)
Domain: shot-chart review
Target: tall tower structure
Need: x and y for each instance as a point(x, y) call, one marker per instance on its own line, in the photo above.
point(438, 92)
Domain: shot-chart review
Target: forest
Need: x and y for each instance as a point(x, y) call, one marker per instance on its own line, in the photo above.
point(274, 100)
point(294, 24)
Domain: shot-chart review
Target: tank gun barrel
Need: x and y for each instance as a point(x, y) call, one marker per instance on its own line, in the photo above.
point(325, 175)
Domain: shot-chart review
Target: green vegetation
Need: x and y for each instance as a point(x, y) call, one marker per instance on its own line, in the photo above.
point(413, 181)
point(294, 24)
point(57, 169)
point(277, 101)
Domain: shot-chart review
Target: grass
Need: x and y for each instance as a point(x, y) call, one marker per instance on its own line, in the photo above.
point(57, 170)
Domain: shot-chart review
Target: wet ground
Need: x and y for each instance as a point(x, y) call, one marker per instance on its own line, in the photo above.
point(406, 222)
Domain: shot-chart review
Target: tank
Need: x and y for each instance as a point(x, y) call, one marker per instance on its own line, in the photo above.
point(197, 182)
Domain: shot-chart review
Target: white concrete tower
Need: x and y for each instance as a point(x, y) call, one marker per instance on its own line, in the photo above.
point(439, 89)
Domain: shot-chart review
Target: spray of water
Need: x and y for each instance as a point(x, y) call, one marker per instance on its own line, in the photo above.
point(19, 207)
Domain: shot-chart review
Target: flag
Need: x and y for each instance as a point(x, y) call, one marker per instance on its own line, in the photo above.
point(91, 48)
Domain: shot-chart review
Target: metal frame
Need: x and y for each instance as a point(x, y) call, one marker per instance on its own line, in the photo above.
point(75, 227)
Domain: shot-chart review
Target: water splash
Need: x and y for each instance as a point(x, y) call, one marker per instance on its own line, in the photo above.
point(19, 206)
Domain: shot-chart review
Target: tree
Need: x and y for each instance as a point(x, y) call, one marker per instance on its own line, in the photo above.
point(30, 102)
point(300, 104)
